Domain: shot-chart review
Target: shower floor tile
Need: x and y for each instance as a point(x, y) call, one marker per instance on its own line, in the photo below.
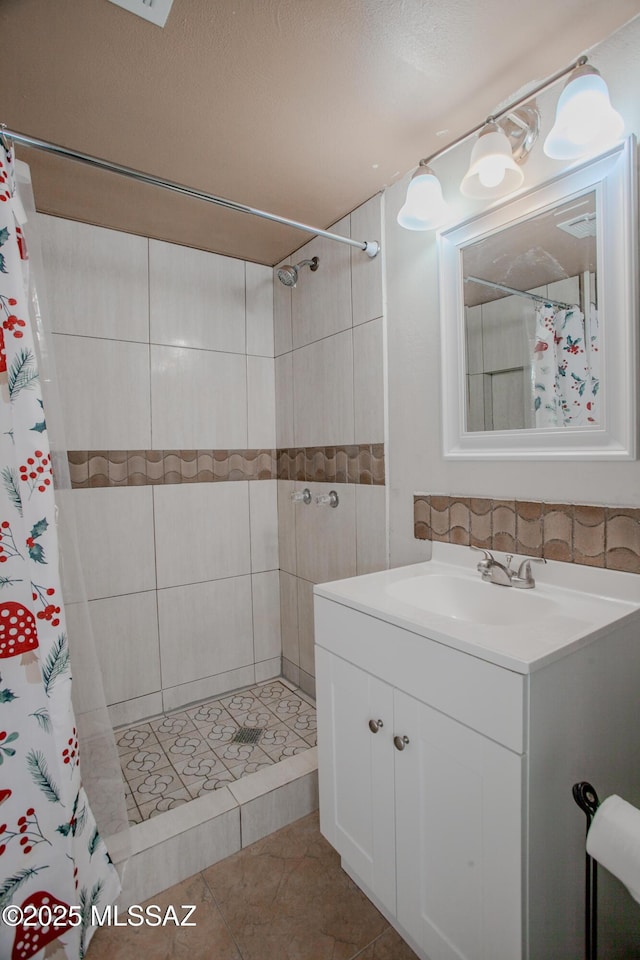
point(182, 755)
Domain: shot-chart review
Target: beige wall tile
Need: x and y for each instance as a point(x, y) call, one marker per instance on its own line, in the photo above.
point(371, 530)
point(259, 280)
point(287, 513)
point(326, 536)
point(205, 629)
point(289, 618)
point(197, 299)
point(201, 532)
point(198, 399)
point(267, 638)
point(368, 382)
point(284, 400)
point(283, 339)
point(321, 301)
point(305, 626)
point(104, 392)
point(261, 402)
point(323, 392)
point(80, 263)
point(366, 272)
point(263, 508)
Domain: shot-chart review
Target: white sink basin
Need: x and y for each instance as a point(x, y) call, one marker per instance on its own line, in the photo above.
point(471, 600)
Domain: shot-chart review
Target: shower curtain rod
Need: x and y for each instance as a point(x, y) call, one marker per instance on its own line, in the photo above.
point(370, 247)
point(520, 293)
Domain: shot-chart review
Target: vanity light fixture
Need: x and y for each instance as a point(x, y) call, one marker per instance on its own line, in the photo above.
point(424, 207)
point(585, 123)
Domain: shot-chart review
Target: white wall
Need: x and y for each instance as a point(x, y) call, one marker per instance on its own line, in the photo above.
point(414, 449)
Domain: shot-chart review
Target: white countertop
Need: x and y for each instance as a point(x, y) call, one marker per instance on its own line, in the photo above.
point(571, 605)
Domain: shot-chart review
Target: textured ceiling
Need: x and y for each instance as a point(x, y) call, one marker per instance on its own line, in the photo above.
point(304, 108)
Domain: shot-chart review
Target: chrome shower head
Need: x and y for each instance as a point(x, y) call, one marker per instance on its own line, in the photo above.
point(289, 273)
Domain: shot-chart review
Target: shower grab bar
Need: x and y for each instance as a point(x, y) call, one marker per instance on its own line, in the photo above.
point(370, 247)
point(587, 799)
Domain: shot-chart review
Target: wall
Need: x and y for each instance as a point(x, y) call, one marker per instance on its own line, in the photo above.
point(414, 452)
point(329, 342)
point(165, 363)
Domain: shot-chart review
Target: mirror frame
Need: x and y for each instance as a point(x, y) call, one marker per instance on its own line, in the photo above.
point(613, 178)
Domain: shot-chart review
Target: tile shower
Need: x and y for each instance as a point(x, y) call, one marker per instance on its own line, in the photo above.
point(197, 396)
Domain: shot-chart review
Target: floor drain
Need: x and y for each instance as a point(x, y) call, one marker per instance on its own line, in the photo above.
point(248, 735)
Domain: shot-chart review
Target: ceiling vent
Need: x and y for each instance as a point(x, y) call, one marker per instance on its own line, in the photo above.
point(581, 227)
point(155, 11)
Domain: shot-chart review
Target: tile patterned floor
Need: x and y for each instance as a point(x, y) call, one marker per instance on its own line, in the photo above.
point(283, 898)
point(178, 757)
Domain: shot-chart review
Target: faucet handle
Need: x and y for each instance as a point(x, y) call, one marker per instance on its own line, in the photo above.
point(524, 570)
point(488, 561)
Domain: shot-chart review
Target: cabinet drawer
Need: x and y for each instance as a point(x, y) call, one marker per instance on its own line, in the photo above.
point(481, 695)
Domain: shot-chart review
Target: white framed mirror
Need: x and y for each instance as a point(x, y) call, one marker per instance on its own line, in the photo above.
point(538, 308)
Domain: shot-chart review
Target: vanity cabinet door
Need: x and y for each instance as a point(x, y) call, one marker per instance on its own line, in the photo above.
point(459, 838)
point(356, 782)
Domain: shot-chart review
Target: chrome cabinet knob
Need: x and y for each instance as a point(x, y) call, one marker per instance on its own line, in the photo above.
point(375, 725)
point(400, 742)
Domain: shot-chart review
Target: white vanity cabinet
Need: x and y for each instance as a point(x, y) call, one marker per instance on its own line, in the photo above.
point(430, 826)
point(466, 834)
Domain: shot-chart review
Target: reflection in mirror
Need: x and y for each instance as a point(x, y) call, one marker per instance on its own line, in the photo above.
point(531, 322)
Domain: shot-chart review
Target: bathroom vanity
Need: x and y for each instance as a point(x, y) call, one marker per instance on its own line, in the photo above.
point(454, 716)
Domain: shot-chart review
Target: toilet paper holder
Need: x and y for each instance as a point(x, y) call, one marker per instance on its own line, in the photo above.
point(586, 797)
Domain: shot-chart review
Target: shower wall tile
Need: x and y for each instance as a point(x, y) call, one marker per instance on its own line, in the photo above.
point(205, 629)
point(261, 402)
point(131, 711)
point(115, 537)
point(197, 299)
point(326, 536)
point(259, 280)
point(267, 669)
point(282, 331)
point(623, 539)
point(199, 399)
point(323, 392)
point(557, 531)
point(306, 627)
point(104, 392)
point(81, 263)
point(186, 693)
point(263, 513)
point(289, 618)
point(284, 400)
point(125, 630)
point(371, 529)
point(201, 531)
point(267, 642)
point(588, 535)
point(287, 512)
point(321, 302)
point(368, 381)
point(366, 272)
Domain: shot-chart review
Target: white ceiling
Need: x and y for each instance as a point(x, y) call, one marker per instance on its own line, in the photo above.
point(301, 107)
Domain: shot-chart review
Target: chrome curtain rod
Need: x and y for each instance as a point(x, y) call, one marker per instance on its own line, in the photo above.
point(370, 247)
point(520, 293)
point(580, 62)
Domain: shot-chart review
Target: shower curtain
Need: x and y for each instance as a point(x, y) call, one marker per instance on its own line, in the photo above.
point(54, 866)
point(565, 369)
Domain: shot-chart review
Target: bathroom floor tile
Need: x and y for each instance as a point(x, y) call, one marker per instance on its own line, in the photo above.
point(146, 760)
point(286, 896)
point(208, 939)
point(189, 752)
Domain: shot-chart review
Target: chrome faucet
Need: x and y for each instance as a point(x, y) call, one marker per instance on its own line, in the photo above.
point(503, 574)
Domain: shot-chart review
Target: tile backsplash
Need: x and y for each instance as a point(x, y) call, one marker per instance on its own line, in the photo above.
point(597, 536)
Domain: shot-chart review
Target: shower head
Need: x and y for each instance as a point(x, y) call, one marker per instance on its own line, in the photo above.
point(289, 273)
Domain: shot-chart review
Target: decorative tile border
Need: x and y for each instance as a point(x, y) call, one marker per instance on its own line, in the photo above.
point(354, 463)
point(576, 533)
point(362, 463)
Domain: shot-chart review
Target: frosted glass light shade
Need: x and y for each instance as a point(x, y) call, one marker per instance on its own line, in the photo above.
point(424, 207)
point(492, 172)
point(586, 123)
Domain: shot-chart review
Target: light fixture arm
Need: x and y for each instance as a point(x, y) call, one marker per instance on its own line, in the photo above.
point(493, 118)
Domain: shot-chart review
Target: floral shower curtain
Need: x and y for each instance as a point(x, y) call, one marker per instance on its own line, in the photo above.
point(565, 367)
point(52, 857)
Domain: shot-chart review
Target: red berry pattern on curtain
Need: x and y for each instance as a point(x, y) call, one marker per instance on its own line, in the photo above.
point(51, 855)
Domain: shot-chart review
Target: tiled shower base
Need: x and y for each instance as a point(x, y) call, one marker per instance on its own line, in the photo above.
point(185, 754)
point(205, 781)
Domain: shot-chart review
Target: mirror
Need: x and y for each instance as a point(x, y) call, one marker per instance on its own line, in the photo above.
point(538, 318)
